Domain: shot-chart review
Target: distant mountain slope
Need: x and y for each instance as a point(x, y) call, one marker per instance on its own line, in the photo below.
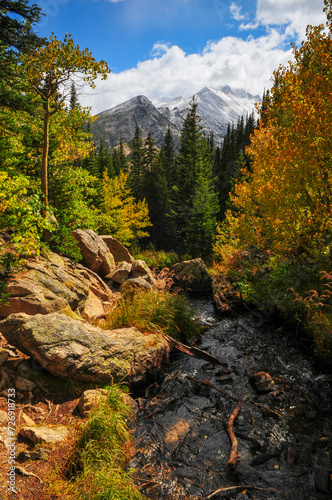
point(216, 107)
point(121, 122)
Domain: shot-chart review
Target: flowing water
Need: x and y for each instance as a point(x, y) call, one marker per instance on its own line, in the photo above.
point(284, 435)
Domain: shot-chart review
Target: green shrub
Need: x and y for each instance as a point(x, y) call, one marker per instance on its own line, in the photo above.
point(300, 291)
point(157, 259)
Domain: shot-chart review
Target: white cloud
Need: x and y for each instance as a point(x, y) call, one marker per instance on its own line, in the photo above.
point(246, 64)
point(248, 26)
point(236, 12)
point(297, 14)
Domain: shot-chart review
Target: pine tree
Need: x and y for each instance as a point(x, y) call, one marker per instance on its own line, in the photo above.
point(104, 160)
point(16, 37)
point(200, 233)
point(150, 153)
point(120, 162)
point(190, 142)
point(168, 158)
point(155, 191)
point(73, 101)
point(137, 166)
point(232, 158)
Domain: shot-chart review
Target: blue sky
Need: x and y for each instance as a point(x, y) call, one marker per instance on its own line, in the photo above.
point(167, 48)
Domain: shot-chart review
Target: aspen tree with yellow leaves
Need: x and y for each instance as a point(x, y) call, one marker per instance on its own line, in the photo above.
point(51, 69)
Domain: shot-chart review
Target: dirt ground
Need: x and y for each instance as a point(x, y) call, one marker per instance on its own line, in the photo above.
point(52, 402)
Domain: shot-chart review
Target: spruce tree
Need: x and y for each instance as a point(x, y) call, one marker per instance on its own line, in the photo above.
point(168, 158)
point(104, 160)
point(73, 100)
point(150, 154)
point(182, 192)
point(137, 165)
point(200, 232)
point(120, 162)
point(190, 142)
point(157, 197)
point(232, 158)
point(17, 37)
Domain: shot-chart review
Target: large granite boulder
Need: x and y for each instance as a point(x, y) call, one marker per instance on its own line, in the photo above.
point(54, 284)
point(191, 276)
point(119, 252)
point(69, 348)
point(139, 269)
point(95, 253)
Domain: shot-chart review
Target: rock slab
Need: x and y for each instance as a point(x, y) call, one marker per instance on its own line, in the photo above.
point(95, 253)
point(45, 435)
point(55, 283)
point(69, 348)
point(119, 252)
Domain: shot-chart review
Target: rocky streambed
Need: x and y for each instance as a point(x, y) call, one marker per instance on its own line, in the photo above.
point(284, 432)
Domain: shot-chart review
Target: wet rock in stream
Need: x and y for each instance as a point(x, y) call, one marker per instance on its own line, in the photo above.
point(182, 447)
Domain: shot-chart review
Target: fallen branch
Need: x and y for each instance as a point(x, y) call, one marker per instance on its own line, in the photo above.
point(230, 431)
point(230, 488)
point(41, 386)
point(208, 384)
point(194, 351)
point(24, 472)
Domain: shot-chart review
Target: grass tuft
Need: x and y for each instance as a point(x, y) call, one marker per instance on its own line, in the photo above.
point(95, 469)
point(154, 311)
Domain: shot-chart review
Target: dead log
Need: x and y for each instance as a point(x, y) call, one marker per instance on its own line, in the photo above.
point(230, 431)
point(194, 351)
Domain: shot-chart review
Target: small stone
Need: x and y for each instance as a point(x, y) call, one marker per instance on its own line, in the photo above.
point(29, 368)
point(89, 399)
point(120, 274)
point(23, 384)
point(176, 433)
point(40, 454)
point(27, 420)
point(119, 252)
point(191, 276)
point(46, 435)
point(140, 269)
point(262, 382)
point(139, 283)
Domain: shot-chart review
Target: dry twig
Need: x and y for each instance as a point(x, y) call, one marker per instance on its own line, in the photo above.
point(230, 488)
point(230, 431)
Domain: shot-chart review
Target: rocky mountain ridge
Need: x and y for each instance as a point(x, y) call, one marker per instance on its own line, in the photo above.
point(216, 107)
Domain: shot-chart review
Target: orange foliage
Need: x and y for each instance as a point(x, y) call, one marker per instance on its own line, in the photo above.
point(285, 202)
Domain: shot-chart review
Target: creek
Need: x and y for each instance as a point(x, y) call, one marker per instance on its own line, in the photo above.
point(181, 442)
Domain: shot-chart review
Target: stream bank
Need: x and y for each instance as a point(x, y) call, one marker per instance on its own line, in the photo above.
point(181, 444)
